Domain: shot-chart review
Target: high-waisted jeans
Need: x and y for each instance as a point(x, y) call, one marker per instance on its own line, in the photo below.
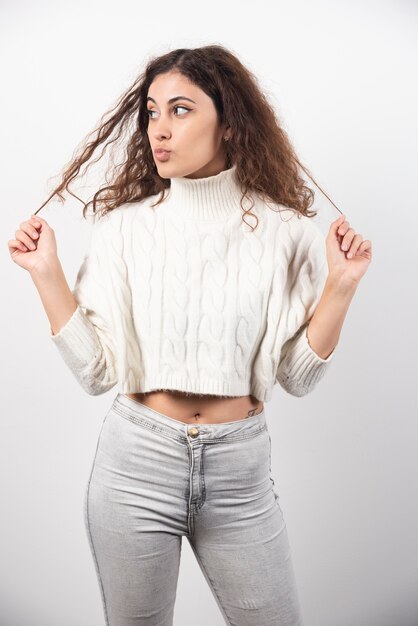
point(156, 479)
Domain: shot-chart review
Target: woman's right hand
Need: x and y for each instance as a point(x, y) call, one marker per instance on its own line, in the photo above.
point(35, 246)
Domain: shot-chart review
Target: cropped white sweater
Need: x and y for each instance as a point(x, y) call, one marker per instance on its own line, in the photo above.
point(186, 296)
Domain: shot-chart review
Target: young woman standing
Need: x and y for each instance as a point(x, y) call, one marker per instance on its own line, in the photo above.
point(195, 314)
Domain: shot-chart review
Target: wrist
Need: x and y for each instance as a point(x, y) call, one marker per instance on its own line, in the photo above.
point(43, 271)
point(340, 284)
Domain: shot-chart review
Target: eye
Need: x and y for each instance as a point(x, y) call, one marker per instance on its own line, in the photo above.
point(181, 107)
point(178, 106)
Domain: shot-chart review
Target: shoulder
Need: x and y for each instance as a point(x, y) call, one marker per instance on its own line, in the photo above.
point(301, 227)
point(119, 218)
point(309, 240)
point(300, 244)
point(293, 228)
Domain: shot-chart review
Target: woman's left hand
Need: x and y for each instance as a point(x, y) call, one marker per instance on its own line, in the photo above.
point(348, 254)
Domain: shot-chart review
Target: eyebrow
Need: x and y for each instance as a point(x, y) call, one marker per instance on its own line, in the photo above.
point(173, 99)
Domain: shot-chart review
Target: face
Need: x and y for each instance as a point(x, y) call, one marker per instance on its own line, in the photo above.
point(188, 127)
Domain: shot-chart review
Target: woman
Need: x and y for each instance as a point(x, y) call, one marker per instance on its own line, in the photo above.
point(195, 315)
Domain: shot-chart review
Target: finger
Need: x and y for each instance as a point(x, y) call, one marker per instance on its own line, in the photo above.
point(365, 246)
point(40, 220)
point(339, 220)
point(30, 229)
point(339, 227)
point(343, 228)
point(24, 237)
point(355, 244)
point(35, 222)
point(14, 245)
point(336, 224)
point(348, 239)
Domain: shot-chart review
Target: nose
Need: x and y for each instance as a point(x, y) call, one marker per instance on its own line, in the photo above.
point(160, 136)
point(160, 129)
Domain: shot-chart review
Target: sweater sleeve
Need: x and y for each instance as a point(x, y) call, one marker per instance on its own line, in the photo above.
point(85, 341)
point(300, 368)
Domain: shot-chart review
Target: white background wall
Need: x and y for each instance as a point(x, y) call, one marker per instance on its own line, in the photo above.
point(343, 77)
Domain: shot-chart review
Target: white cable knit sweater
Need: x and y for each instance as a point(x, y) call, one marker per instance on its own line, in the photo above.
point(185, 296)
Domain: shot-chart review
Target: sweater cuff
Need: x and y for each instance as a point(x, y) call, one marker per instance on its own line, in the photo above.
point(77, 340)
point(302, 367)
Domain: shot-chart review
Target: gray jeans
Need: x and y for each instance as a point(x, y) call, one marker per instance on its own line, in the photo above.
point(155, 479)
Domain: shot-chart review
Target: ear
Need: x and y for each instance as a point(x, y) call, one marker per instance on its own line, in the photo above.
point(227, 135)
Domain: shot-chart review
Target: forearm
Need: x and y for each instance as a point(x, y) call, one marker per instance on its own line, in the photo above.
point(324, 329)
point(56, 296)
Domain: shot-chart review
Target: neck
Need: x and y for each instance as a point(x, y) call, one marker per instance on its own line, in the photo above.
point(211, 198)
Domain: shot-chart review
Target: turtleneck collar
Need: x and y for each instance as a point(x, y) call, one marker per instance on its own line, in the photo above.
point(210, 198)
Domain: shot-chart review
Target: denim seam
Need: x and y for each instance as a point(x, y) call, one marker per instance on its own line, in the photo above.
point(183, 439)
point(231, 438)
point(272, 485)
point(190, 509)
point(146, 424)
point(202, 482)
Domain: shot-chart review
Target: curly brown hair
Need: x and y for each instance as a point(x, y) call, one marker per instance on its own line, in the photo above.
point(264, 157)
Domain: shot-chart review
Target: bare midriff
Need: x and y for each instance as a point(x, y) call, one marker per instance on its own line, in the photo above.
point(199, 408)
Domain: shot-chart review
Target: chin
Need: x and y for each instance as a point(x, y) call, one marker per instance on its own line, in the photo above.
point(166, 170)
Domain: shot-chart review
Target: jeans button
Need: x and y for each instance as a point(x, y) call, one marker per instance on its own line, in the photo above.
point(193, 431)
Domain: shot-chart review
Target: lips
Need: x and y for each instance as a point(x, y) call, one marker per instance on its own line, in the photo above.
point(162, 155)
